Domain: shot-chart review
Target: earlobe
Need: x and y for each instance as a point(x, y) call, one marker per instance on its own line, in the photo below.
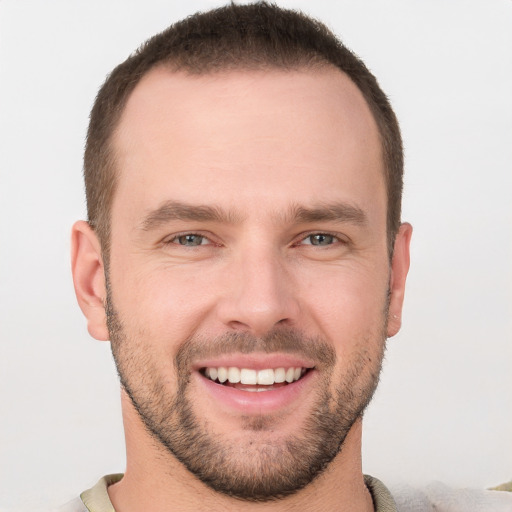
point(399, 270)
point(89, 278)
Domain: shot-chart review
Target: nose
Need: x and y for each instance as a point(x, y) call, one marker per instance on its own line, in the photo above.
point(259, 293)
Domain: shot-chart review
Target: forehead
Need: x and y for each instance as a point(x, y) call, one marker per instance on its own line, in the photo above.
point(249, 136)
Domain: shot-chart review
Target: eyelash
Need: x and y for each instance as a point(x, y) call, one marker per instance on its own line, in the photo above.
point(303, 237)
point(175, 238)
point(336, 238)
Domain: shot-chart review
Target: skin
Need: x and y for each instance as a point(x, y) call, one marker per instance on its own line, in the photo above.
point(256, 146)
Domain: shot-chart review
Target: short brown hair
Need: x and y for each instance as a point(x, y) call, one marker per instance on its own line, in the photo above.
point(255, 36)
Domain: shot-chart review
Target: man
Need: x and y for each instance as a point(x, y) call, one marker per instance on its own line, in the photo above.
point(245, 257)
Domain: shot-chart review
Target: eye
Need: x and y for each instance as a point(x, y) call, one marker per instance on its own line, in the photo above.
point(190, 240)
point(320, 239)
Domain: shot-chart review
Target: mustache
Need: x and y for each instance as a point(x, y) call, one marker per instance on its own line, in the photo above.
point(278, 340)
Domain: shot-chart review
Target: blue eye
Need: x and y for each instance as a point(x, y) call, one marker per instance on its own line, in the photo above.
point(320, 239)
point(190, 240)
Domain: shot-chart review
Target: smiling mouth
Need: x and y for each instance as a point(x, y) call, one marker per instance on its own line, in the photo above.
point(247, 379)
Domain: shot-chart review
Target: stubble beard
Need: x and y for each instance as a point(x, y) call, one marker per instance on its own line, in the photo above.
point(256, 467)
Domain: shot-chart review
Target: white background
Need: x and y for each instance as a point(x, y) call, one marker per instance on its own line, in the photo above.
point(444, 407)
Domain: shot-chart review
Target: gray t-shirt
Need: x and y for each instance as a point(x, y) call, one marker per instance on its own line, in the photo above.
point(435, 497)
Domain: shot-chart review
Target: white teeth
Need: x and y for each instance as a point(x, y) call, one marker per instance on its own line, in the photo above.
point(290, 375)
point(279, 375)
point(266, 377)
point(248, 376)
point(233, 375)
point(222, 374)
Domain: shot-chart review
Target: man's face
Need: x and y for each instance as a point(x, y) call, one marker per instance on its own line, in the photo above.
point(249, 242)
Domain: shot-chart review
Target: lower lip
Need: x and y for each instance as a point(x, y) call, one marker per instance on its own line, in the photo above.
point(251, 402)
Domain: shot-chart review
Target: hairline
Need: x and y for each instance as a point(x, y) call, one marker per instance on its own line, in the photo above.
point(175, 66)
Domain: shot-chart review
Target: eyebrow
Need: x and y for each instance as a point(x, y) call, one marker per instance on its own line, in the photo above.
point(337, 212)
point(175, 210)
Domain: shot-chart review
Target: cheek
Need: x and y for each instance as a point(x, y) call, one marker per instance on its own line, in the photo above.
point(347, 303)
point(342, 302)
point(163, 303)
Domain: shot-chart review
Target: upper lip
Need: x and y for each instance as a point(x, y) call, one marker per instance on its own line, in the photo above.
point(255, 361)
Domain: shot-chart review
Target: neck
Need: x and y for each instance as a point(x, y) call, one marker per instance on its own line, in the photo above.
point(155, 480)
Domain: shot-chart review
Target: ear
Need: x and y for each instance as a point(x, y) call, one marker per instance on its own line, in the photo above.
point(89, 278)
point(399, 268)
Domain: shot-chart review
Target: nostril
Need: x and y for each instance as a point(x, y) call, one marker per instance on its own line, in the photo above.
point(238, 326)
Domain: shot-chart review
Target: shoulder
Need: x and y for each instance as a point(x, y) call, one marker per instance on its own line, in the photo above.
point(95, 499)
point(438, 497)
